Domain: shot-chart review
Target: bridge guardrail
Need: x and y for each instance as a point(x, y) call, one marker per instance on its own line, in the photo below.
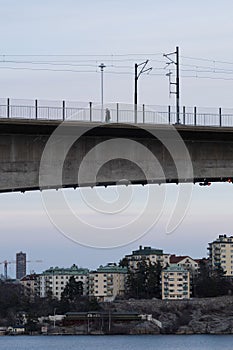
point(119, 113)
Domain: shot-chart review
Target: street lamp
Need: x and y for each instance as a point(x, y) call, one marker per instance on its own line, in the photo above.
point(54, 317)
point(102, 66)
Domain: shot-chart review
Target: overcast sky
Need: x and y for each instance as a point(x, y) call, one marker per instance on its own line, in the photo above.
point(104, 30)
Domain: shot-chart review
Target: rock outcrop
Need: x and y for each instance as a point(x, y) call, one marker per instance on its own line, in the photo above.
point(194, 316)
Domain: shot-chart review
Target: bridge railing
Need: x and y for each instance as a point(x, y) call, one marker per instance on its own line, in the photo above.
point(119, 113)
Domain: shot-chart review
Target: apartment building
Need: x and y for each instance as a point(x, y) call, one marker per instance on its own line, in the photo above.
point(221, 254)
point(185, 261)
point(175, 283)
point(149, 254)
point(107, 282)
point(31, 285)
point(54, 280)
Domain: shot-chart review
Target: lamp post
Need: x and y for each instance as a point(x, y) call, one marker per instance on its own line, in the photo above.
point(54, 317)
point(102, 66)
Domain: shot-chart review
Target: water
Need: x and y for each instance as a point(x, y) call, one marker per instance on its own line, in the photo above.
point(141, 342)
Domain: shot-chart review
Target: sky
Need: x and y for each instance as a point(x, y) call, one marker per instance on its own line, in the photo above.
point(77, 36)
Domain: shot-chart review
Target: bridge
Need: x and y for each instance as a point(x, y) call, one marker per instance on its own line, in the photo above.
point(200, 149)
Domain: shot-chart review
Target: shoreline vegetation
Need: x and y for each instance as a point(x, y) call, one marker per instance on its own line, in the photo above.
point(182, 317)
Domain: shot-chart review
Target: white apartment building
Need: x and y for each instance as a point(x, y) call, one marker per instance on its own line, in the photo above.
point(175, 283)
point(54, 280)
point(149, 254)
point(107, 282)
point(221, 254)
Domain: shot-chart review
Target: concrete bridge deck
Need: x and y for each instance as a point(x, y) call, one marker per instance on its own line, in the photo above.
point(23, 141)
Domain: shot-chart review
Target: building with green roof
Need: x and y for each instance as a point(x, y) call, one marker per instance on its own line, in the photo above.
point(54, 280)
point(107, 282)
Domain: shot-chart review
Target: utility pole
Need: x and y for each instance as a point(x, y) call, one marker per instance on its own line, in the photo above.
point(136, 77)
point(102, 66)
point(177, 83)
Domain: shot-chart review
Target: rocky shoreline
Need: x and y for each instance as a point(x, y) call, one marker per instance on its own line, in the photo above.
point(180, 317)
point(194, 316)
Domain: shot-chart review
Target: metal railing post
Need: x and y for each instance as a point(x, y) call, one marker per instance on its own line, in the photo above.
point(36, 110)
point(117, 111)
point(184, 115)
point(63, 110)
point(195, 115)
point(220, 116)
point(169, 114)
point(8, 108)
point(143, 114)
point(90, 110)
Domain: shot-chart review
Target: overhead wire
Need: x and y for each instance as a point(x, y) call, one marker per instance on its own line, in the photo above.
point(113, 62)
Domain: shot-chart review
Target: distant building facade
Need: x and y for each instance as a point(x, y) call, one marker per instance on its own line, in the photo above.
point(20, 265)
point(31, 285)
point(175, 283)
point(148, 254)
point(221, 254)
point(185, 261)
point(107, 282)
point(53, 281)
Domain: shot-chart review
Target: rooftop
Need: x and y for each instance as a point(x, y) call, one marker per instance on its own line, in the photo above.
point(73, 270)
point(223, 239)
point(111, 268)
point(174, 268)
point(174, 259)
point(147, 251)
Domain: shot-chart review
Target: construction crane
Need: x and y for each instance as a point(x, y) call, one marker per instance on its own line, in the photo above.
point(6, 263)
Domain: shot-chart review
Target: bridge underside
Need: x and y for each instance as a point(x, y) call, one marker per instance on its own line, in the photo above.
point(22, 144)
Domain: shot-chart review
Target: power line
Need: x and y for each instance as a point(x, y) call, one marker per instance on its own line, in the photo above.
point(82, 55)
point(207, 60)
